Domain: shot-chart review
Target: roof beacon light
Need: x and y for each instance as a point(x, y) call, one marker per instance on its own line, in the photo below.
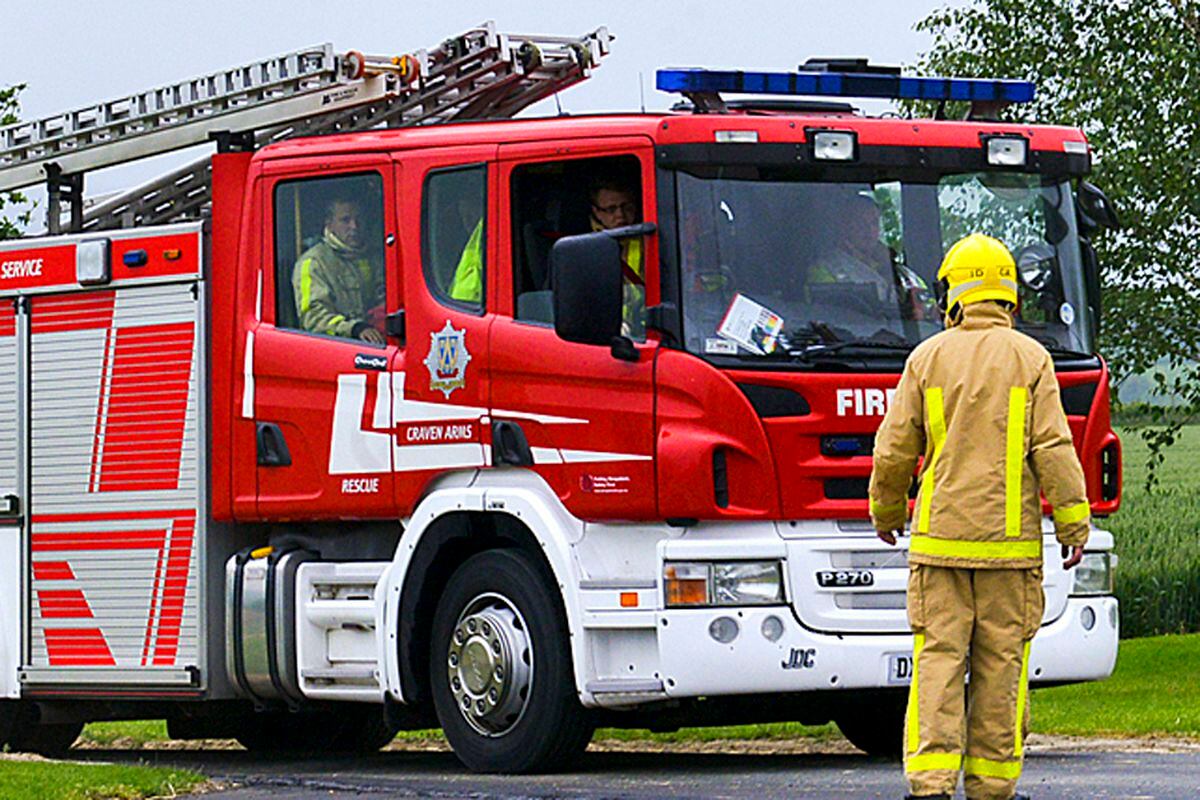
point(844, 84)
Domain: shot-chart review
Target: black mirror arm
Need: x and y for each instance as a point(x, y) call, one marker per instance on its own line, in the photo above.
point(631, 231)
point(623, 350)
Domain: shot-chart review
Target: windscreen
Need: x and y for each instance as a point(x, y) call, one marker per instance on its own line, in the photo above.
point(773, 267)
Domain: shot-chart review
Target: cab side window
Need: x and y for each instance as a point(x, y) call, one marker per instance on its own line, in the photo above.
point(565, 198)
point(329, 257)
point(453, 236)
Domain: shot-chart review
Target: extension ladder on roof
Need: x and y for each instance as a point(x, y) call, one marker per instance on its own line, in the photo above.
point(480, 74)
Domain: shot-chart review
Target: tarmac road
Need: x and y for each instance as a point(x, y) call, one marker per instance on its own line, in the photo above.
point(1152, 771)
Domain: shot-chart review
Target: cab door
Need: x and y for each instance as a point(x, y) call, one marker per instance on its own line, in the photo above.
point(448, 245)
point(322, 400)
point(587, 415)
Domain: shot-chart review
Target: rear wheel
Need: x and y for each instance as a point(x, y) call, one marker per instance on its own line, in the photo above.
point(24, 732)
point(500, 668)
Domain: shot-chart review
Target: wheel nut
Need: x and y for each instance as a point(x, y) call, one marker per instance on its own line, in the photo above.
point(466, 702)
point(493, 695)
point(487, 629)
point(472, 625)
point(454, 659)
point(459, 636)
point(456, 683)
point(479, 707)
point(499, 673)
point(496, 647)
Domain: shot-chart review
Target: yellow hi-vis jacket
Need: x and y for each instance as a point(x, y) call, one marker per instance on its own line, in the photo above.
point(981, 403)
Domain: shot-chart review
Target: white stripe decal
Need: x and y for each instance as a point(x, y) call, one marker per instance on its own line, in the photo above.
point(545, 419)
point(258, 299)
point(383, 402)
point(425, 411)
point(414, 458)
point(248, 376)
point(354, 450)
point(584, 456)
point(546, 455)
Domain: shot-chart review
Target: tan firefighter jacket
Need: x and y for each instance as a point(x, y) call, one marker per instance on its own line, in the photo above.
point(335, 289)
point(980, 402)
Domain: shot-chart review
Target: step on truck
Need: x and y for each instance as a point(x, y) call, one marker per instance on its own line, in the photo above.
point(553, 473)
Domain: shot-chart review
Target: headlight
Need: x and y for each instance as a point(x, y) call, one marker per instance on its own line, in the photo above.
point(734, 583)
point(1094, 575)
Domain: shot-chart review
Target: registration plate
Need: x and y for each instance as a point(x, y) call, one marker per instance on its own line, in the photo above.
point(845, 577)
point(900, 666)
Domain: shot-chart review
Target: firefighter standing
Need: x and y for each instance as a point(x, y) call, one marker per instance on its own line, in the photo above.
point(981, 402)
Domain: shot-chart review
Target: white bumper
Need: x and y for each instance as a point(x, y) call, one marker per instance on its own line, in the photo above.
point(694, 664)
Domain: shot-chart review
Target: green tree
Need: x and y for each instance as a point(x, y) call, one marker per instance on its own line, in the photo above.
point(10, 227)
point(1128, 73)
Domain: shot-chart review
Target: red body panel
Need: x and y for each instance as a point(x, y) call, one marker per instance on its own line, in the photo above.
point(615, 440)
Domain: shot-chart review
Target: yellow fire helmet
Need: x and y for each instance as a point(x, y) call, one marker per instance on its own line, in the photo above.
point(976, 268)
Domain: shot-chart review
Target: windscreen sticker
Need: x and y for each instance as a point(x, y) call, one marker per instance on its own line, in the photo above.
point(753, 326)
point(1066, 312)
point(719, 346)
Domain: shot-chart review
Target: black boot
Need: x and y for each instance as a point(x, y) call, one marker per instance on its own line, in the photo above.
point(936, 797)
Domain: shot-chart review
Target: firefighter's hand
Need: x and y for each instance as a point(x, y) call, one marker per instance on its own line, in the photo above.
point(371, 335)
point(889, 537)
point(1072, 555)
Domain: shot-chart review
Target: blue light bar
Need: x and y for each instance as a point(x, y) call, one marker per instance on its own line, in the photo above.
point(844, 84)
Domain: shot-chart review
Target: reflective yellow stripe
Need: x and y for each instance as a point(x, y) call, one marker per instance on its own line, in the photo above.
point(878, 509)
point(932, 761)
point(937, 430)
point(334, 321)
point(1010, 770)
point(913, 734)
point(1075, 513)
point(954, 548)
point(1022, 693)
point(305, 284)
point(1014, 460)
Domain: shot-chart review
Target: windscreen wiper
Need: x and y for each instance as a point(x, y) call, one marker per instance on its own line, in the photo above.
point(869, 345)
point(1056, 350)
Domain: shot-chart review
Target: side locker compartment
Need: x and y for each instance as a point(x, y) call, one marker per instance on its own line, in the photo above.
point(116, 540)
point(12, 500)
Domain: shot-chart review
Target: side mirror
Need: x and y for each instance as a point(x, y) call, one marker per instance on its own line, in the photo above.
point(585, 274)
point(1094, 209)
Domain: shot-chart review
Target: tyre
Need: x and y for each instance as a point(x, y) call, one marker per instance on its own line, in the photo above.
point(500, 668)
point(877, 731)
point(51, 740)
point(351, 731)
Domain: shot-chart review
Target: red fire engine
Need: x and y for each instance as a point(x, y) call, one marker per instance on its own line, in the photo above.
point(548, 472)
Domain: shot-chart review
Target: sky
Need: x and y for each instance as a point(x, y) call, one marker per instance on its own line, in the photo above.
point(72, 54)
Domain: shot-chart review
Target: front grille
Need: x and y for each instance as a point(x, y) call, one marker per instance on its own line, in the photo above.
point(846, 488)
point(871, 600)
point(869, 559)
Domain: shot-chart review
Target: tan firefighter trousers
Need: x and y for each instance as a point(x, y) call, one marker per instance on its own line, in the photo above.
point(984, 617)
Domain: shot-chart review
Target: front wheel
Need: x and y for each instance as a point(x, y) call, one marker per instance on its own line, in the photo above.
point(877, 730)
point(500, 668)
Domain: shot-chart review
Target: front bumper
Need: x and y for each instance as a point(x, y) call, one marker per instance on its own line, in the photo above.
point(693, 664)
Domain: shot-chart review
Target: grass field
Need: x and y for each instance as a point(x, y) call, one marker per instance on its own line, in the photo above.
point(55, 780)
point(1158, 539)
point(1153, 691)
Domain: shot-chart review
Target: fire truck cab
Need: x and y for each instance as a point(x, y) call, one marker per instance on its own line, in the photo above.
point(544, 473)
